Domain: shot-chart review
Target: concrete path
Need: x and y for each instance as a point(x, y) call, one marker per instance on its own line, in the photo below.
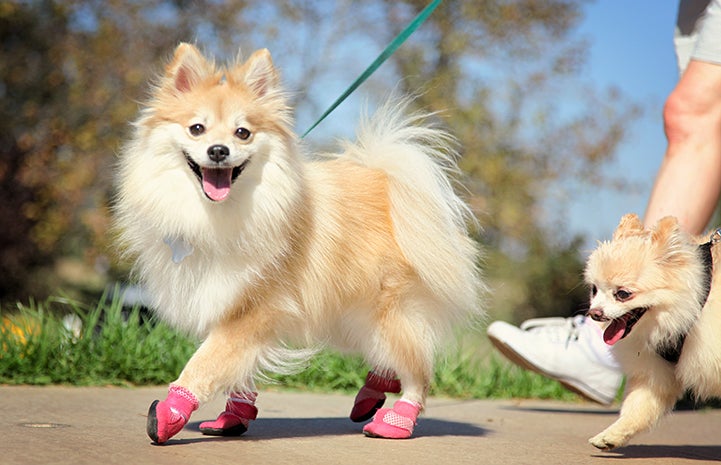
point(67, 425)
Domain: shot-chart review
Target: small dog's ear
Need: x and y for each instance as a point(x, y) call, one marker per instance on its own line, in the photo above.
point(630, 225)
point(668, 236)
point(259, 73)
point(187, 68)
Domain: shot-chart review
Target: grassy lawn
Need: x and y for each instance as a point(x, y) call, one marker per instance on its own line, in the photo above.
point(106, 344)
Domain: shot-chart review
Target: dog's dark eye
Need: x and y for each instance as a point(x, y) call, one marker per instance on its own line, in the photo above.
point(242, 133)
point(594, 291)
point(196, 129)
point(623, 295)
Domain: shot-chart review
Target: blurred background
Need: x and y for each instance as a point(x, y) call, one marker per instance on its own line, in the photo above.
point(551, 134)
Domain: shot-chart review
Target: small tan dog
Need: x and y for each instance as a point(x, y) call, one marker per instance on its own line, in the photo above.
point(656, 291)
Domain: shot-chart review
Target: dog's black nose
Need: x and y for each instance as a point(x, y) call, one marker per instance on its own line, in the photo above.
point(218, 153)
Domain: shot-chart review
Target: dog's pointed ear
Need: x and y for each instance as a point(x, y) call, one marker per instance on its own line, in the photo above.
point(259, 73)
point(187, 68)
point(669, 239)
point(630, 225)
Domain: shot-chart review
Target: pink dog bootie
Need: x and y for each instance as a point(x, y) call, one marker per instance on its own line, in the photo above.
point(372, 396)
point(166, 418)
point(395, 423)
point(233, 421)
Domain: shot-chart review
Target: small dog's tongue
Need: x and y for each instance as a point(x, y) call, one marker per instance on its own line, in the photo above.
point(615, 331)
point(216, 183)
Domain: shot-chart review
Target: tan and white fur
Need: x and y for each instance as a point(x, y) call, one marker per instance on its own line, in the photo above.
point(366, 250)
point(661, 270)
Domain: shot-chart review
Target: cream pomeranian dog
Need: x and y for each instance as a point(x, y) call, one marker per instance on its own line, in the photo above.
point(267, 254)
point(658, 296)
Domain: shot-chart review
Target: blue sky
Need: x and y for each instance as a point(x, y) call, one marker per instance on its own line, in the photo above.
point(632, 49)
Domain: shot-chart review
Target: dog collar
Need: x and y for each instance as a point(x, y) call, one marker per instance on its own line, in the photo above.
point(672, 352)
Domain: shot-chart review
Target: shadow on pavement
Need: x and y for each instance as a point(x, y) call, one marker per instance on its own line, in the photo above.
point(688, 452)
point(283, 428)
point(570, 410)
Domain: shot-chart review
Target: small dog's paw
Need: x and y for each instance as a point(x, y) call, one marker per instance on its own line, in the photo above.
point(600, 442)
point(608, 440)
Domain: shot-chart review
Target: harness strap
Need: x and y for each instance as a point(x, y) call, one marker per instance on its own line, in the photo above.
point(672, 352)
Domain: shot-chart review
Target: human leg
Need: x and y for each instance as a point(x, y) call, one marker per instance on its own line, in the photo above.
point(688, 183)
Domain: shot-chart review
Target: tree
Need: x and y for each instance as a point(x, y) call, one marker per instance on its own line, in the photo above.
point(491, 68)
point(497, 68)
point(30, 136)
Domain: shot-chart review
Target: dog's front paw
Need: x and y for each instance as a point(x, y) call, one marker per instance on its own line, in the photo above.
point(607, 441)
point(600, 442)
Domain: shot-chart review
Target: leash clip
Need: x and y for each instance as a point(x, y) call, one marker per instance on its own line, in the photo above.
point(716, 236)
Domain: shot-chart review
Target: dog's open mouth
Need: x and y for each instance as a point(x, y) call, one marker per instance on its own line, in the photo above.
point(216, 182)
point(621, 327)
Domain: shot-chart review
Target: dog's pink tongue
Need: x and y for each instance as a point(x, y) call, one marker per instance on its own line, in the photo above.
point(615, 331)
point(216, 183)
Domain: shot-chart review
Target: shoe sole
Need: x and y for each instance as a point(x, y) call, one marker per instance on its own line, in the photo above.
point(517, 359)
point(152, 424)
point(368, 434)
point(232, 431)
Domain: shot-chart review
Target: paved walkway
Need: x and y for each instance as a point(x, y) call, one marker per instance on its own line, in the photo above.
point(67, 425)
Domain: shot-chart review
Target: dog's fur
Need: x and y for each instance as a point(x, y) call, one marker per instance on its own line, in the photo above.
point(366, 250)
point(661, 270)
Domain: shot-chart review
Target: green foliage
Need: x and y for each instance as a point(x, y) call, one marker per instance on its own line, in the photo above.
point(470, 377)
point(40, 344)
point(554, 281)
point(467, 377)
point(500, 71)
point(30, 86)
point(546, 280)
point(109, 346)
point(327, 371)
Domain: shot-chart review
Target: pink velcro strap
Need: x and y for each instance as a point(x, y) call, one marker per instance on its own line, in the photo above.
point(390, 417)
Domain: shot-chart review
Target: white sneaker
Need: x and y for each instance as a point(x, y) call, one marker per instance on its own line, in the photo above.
point(570, 351)
point(535, 323)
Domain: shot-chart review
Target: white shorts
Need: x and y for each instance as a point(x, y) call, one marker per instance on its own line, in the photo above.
point(698, 32)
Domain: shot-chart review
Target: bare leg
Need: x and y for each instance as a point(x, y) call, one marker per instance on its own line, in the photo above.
point(688, 183)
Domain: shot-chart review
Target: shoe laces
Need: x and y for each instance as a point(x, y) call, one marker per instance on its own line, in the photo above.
point(563, 334)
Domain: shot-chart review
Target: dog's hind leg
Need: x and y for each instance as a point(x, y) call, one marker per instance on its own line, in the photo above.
point(406, 342)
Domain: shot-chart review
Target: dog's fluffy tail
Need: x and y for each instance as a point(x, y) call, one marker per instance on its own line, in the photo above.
point(431, 222)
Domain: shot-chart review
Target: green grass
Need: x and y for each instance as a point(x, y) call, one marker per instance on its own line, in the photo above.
point(118, 347)
point(112, 347)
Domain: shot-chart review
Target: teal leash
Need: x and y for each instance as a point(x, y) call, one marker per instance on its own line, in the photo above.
point(389, 50)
